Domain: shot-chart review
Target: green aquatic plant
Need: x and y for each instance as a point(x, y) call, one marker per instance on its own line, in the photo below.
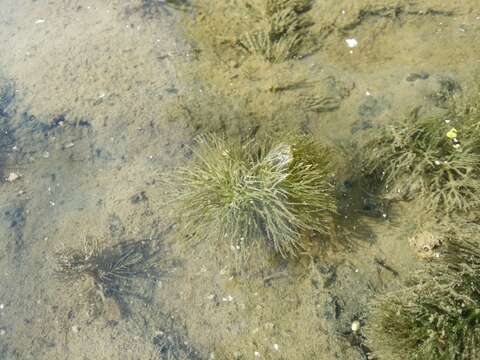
point(437, 316)
point(280, 31)
point(433, 159)
point(250, 194)
point(105, 269)
point(153, 7)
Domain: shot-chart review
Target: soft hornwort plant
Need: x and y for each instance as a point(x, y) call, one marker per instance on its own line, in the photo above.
point(437, 316)
point(282, 28)
point(107, 270)
point(433, 159)
point(251, 194)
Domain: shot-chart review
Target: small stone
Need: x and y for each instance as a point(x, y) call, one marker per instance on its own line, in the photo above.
point(75, 329)
point(426, 244)
point(228, 298)
point(2, 332)
point(356, 326)
point(351, 43)
point(12, 177)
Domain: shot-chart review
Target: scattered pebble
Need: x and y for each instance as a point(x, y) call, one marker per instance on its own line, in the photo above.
point(426, 244)
point(355, 326)
point(2, 332)
point(12, 177)
point(75, 329)
point(40, 21)
point(351, 43)
point(257, 354)
point(69, 145)
point(276, 347)
point(2, 306)
point(228, 298)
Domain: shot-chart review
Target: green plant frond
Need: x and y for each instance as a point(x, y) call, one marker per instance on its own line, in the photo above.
point(266, 194)
point(282, 28)
point(437, 315)
point(429, 159)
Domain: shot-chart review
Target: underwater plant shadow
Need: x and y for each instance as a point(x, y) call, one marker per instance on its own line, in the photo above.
point(110, 271)
point(151, 8)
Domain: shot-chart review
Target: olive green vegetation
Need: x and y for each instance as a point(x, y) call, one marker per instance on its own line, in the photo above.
point(106, 269)
point(280, 30)
point(151, 7)
point(252, 194)
point(433, 159)
point(273, 30)
point(437, 316)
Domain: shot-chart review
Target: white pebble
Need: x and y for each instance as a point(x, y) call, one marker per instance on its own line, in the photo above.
point(12, 177)
point(351, 43)
point(257, 354)
point(355, 326)
point(276, 347)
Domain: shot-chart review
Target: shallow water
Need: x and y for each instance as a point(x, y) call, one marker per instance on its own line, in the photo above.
point(100, 99)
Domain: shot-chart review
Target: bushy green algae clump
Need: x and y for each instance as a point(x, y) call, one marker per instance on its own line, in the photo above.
point(273, 30)
point(280, 31)
point(252, 195)
point(433, 159)
point(437, 316)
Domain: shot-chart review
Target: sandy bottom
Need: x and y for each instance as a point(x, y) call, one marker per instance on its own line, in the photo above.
point(100, 99)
